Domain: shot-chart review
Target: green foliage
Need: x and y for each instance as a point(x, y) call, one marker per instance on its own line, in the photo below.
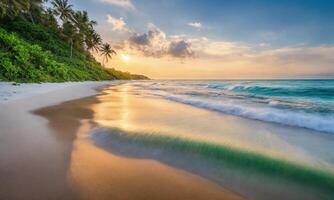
point(39, 35)
point(107, 51)
point(31, 54)
point(35, 48)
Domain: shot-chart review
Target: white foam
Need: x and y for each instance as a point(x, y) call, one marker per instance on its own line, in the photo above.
point(273, 102)
point(267, 114)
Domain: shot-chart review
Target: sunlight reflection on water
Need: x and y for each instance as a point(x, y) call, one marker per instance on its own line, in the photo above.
point(121, 108)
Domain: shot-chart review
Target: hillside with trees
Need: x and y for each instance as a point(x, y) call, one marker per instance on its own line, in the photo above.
point(51, 44)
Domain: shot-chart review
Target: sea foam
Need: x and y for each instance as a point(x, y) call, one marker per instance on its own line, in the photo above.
point(269, 101)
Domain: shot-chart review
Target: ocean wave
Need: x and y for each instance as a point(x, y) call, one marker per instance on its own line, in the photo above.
point(292, 118)
point(237, 158)
point(305, 104)
point(276, 90)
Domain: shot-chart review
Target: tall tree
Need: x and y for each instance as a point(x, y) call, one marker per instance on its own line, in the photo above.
point(96, 41)
point(93, 40)
point(12, 8)
point(85, 28)
point(63, 9)
point(107, 52)
point(69, 33)
point(49, 20)
point(34, 9)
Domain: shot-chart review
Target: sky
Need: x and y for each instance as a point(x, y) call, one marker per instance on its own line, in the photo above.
point(217, 39)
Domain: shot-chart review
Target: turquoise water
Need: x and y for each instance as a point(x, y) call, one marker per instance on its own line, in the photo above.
point(285, 153)
point(302, 103)
point(128, 143)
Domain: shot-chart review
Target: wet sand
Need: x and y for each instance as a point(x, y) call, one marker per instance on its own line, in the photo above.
point(57, 152)
point(122, 110)
point(33, 160)
point(99, 174)
point(47, 155)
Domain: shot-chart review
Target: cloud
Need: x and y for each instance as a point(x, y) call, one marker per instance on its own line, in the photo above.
point(298, 60)
point(155, 43)
point(140, 39)
point(118, 24)
point(262, 59)
point(127, 4)
point(296, 57)
point(197, 25)
point(299, 56)
point(181, 49)
point(219, 49)
point(177, 37)
point(152, 43)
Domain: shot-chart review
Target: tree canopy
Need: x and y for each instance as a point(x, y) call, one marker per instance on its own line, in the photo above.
point(74, 27)
point(51, 43)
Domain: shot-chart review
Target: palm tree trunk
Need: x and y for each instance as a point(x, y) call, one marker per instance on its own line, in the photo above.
point(31, 18)
point(71, 49)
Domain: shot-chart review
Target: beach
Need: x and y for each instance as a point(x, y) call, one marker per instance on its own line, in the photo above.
point(33, 162)
point(166, 100)
point(114, 140)
point(46, 158)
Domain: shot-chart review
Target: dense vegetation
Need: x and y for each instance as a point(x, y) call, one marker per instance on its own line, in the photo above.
point(39, 44)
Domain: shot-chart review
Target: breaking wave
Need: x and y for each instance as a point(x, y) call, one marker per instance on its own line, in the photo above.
point(305, 104)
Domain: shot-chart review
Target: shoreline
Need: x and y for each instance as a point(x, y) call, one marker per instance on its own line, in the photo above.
point(32, 161)
point(36, 155)
point(57, 152)
point(99, 174)
point(136, 130)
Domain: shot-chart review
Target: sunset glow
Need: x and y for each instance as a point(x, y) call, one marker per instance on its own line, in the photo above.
point(210, 42)
point(125, 58)
point(167, 99)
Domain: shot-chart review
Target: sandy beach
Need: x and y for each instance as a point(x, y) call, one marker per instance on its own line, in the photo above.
point(166, 100)
point(33, 162)
point(106, 140)
point(45, 154)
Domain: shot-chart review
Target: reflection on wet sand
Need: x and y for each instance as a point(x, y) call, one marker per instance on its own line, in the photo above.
point(94, 173)
point(103, 175)
point(115, 168)
point(121, 108)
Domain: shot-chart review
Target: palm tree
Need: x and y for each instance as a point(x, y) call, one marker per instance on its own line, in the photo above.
point(49, 20)
point(34, 7)
point(85, 27)
point(107, 52)
point(3, 9)
point(81, 21)
point(69, 32)
point(96, 41)
point(12, 8)
point(93, 40)
point(63, 9)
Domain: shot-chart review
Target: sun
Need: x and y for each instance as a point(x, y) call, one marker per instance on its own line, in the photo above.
point(125, 57)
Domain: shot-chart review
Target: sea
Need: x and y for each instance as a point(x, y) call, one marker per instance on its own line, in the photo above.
point(301, 103)
point(263, 139)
